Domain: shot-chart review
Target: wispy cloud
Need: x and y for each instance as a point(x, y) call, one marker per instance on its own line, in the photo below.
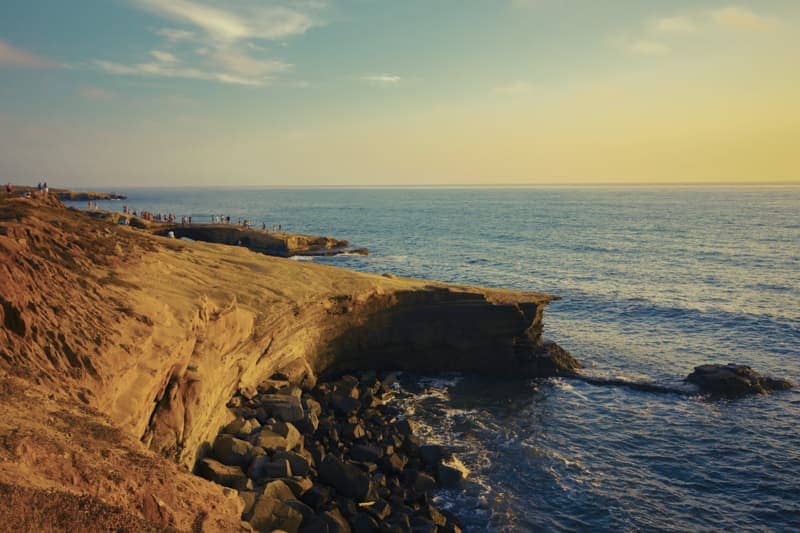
point(164, 57)
point(224, 39)
point(743, 19)
point(11, 56)
point(383, 80)
point(676, 24)
point(170, 71)
point(658, 36)
point(174, 35)
point(234, 20)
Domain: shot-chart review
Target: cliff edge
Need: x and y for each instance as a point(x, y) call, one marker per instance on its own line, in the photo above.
point(119, 351)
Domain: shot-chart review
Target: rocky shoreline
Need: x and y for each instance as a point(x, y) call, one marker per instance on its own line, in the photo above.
point(335, 456)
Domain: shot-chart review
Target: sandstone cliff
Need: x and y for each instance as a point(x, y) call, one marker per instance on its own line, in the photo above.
point(119, 351)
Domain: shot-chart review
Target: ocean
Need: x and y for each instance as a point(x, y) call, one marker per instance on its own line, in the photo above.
point(653, 280)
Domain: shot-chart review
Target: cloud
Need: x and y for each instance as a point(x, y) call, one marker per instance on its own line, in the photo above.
point(743, 19)
point(677, 24)
point(648, 48)
point(222, 35)
point(245, 65)
point(94, 94)
point(164, 57)
point(174, 35)
point(171, 71)
point(234, 21)
point(18, 58)
point(516, 88)
point(384, 80)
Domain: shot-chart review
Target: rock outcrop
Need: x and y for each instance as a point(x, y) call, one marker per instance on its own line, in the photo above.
point(734, 380)
point(280, 244)
point(122, 331)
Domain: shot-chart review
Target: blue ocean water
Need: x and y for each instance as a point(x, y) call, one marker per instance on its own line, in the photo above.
point(654, 281)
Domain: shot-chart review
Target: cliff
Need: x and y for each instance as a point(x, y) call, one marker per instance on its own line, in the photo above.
point(120, 349)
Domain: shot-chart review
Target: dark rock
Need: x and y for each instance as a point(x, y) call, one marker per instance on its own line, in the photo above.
point(264, 468)
point(344, 405)
point(366, 453)
point(364, 523)
point(299, 485)
point(432, 454)
point(422, 525)
point(316, 496)
point(380, 509)
point(451, 473)
point(547, 360)
point(269, 514)
point(314, 524)
point(303, 509)
point(406, 427)
point(283, 407)
point(299, 464)
point(345, 478)
point(232, 451)
point(424, 483)
point(336, 522)
point(229, 476)
point(734, 380)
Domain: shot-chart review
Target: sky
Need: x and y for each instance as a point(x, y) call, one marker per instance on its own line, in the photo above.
point(119, 93)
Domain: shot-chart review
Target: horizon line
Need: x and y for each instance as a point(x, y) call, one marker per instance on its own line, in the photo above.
point(794, 183)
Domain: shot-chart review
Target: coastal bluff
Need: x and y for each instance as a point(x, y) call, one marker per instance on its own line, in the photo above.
point(120, 349)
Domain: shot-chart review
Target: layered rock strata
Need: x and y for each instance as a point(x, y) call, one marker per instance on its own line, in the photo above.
point(153, 336)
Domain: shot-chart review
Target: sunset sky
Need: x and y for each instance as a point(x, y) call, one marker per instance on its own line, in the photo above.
point(370, 92)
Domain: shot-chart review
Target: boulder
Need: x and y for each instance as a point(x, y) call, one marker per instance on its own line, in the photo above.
point(346, 478)
point(279, 490)
point(343, 405)
point(232, 451)
point(451, 472)
point(283, 407)
point(316, 496)
point(264, 468)
point(248, 498)
point(364, 523)
point(366, 453)
point(406, 427)
point(269, 514)
point(229, 476)
point(734, 380)
point(299, 485)
point(431, 454)
point(278, 435)
point(299, 464)
point(424, 483)
point(380, 509)
point(241, 427)
point(336, 522)
point(271, 386)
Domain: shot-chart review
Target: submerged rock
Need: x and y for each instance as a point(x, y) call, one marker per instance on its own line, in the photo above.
point(734, 380)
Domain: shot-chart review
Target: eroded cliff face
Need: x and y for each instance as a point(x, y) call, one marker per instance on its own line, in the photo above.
point(157, 334)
